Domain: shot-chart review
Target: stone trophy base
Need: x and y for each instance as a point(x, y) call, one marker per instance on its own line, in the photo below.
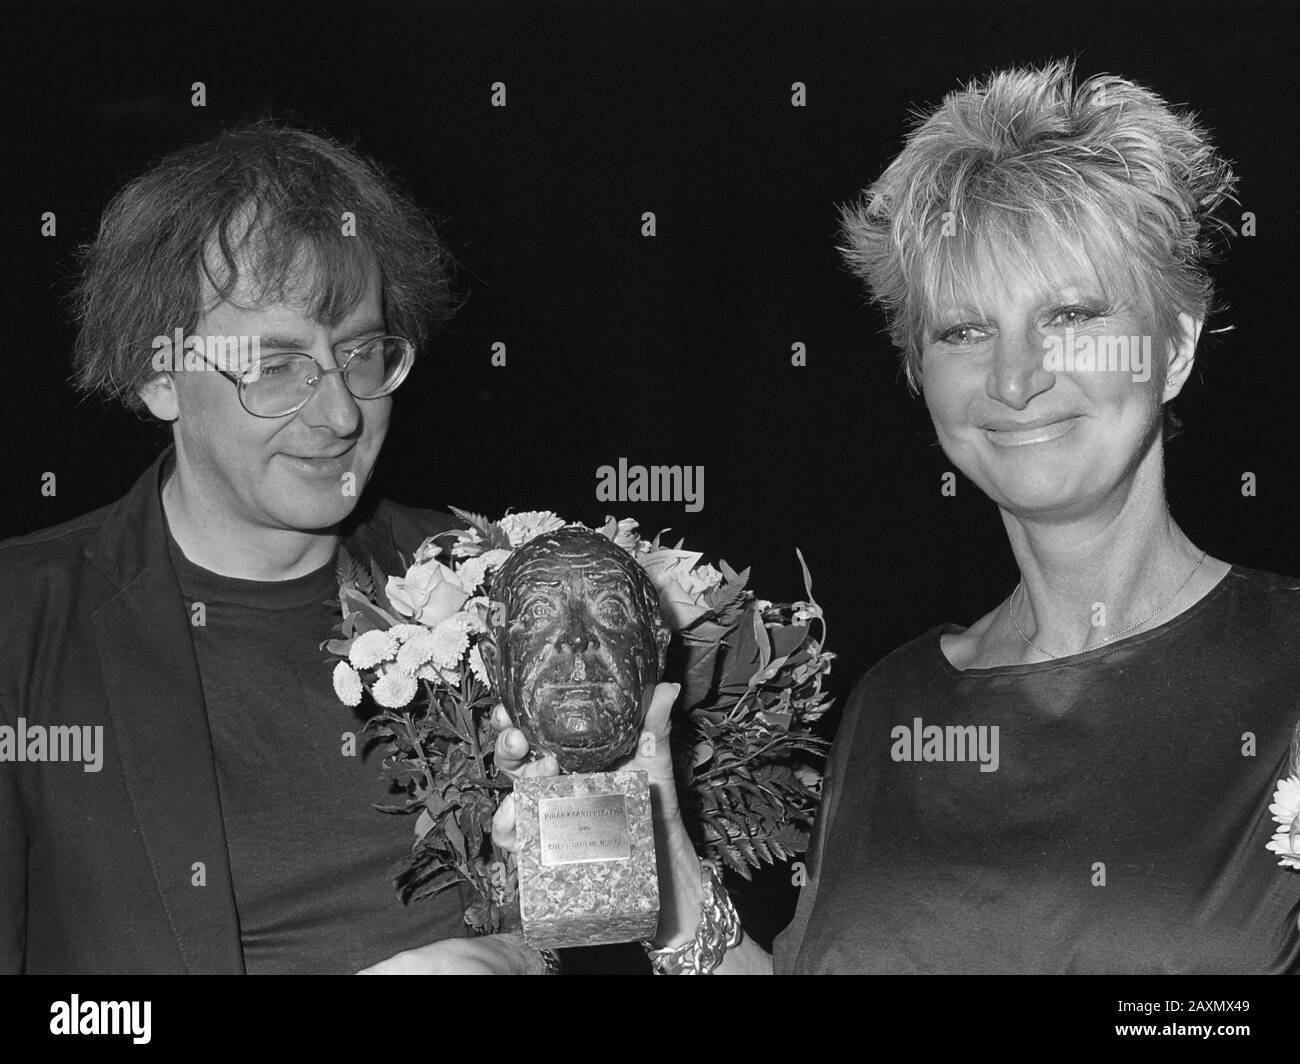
point(586, 857)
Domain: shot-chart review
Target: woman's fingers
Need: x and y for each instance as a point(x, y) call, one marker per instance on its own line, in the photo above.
point(661, 708)
point(503, 820)
point(503, 824)
point(546, 765)
point(511, 750)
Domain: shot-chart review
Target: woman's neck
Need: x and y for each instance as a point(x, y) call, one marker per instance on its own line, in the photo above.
point(1122, 569)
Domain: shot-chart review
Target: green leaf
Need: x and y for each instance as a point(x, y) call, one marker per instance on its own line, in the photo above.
point(349, 573)
point(379, 587)
point(493, 535)
point(807, 576)
point(362, 605)
point(339, 647)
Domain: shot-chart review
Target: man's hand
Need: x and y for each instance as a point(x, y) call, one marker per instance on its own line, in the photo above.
point(652, 757)
point(505, 954)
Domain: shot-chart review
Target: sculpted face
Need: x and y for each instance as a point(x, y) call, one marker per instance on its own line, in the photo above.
point(575, 638)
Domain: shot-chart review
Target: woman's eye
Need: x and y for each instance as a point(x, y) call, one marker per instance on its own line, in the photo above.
point(962, 334)
point(1073, 315)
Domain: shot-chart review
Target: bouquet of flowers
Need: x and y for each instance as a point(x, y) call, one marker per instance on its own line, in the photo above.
point(751, 673)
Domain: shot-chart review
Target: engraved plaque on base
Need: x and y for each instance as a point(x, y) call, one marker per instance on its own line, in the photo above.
point(586, 859)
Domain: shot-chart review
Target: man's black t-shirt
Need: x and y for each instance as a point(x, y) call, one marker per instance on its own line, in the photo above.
point(309, 855)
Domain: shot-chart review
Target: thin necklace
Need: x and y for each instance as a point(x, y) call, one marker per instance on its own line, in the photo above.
point(1130, 628)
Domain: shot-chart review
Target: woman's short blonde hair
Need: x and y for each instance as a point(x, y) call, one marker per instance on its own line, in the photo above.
point(1028, 169)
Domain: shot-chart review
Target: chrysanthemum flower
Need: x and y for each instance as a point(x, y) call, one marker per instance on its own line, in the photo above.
point(347, 684)
point(528, 525)
point(450, 641)
point(1286, 811)
point(477, 667)
point(394, 689)
point(416, 650)
point(370, 648)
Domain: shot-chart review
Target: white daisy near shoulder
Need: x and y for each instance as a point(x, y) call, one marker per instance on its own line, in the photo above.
point(450, 641)
point(347, 684)
point(530, 524)
point(370, 648)
point(477, 667)
point(417, 650)
point(1286, 812)
point(394, 689)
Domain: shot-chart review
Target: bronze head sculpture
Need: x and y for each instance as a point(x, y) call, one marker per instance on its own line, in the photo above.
point(574, 638)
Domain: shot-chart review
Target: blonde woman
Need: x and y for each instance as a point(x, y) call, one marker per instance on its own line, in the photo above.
point(1063, 785)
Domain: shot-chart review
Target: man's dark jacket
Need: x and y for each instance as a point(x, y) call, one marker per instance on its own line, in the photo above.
point(98, 869)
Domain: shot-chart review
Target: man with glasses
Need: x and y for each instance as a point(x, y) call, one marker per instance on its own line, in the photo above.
point(228, 825)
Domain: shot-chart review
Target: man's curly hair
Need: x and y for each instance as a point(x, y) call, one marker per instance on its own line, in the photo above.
point(267, 196)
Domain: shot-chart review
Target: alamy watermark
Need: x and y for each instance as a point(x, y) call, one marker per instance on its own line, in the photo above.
point(102, 1017)
point(638, 483)
point(1098, 354)
point(953, 742)
point(176, 352)
point(59, 742)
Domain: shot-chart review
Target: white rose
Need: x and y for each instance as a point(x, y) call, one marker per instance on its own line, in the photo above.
point(474, 570)
point(681, 596)
point(626, 536)
point(701, 579)
point(428, 593)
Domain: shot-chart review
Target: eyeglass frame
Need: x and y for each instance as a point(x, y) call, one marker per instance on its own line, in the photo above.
point(238, 382)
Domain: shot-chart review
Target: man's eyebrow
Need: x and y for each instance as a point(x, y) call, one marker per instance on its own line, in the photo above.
point(298, 343)
point(370, 328)
point(284, 343)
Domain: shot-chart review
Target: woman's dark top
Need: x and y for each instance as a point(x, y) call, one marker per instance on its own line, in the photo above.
point(1121, 826)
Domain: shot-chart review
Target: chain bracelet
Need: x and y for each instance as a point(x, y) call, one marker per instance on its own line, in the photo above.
point(718, 932)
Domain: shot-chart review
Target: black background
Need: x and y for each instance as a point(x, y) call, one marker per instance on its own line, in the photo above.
point(671, 350)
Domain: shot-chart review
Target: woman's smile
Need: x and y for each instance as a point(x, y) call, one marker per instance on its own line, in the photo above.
point(1013, 434)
